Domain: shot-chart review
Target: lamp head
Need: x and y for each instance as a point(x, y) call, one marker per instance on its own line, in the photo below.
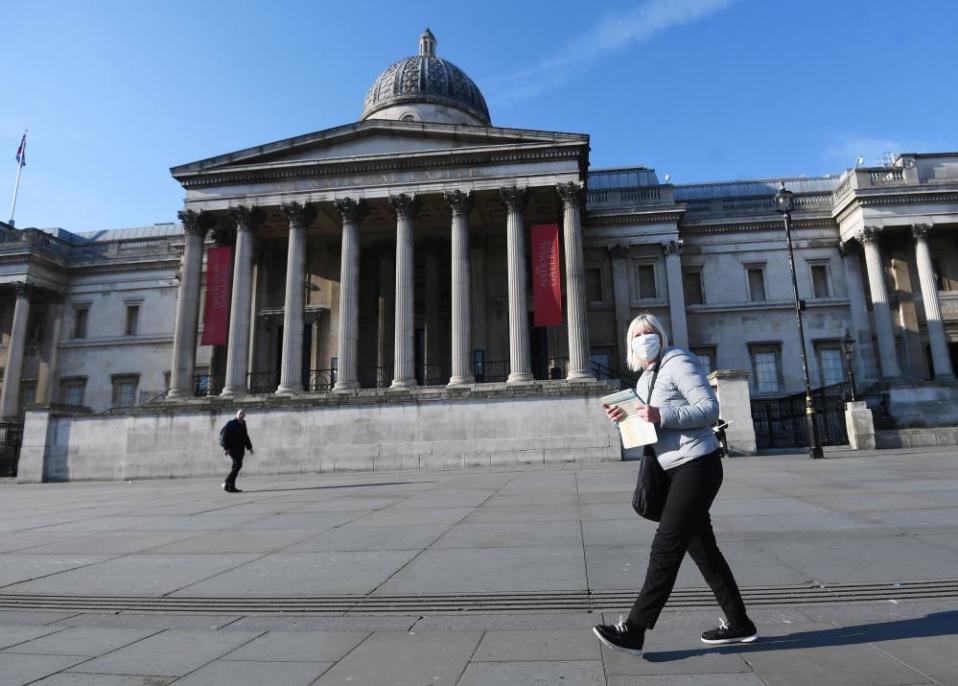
point(848, 344)
point(784, 200)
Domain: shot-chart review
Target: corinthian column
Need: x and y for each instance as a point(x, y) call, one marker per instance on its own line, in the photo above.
point(404, 373)
point(520, 365)
point(291, 366)
point(929, 297)
point(673, 275)
point(888, 357)
point(195, 226)
point(10, 397)
point(577, 317)
point(462, 373)
point(237, 350)
point(347, 374)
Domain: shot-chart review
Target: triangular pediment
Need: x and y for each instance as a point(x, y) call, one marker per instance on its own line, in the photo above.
point(373, 139)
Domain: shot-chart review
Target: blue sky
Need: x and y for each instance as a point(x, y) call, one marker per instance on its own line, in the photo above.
point(115, 92)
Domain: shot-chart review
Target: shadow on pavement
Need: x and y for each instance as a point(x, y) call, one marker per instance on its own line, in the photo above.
point(936, 624)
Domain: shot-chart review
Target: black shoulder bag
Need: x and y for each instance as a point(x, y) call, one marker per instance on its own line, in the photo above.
point(651, 487)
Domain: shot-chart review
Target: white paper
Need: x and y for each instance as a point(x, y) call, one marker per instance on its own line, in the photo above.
point(636, 432)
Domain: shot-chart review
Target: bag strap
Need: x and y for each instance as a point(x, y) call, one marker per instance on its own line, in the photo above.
point(659, 363)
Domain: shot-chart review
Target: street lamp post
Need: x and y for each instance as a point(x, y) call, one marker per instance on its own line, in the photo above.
point(784, 203)
point(848, 347)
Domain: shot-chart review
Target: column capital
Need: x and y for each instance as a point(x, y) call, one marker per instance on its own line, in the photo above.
point(571, 194)
point(460, 202)
point(920, 231)
point(24, 289)
point(351, 209)
point(299, 215)
point(404, 205)
point(619, 251)
point(672, 247)
point(247, 218)
point(195, 223)
point(868, 234)
point(515, 198)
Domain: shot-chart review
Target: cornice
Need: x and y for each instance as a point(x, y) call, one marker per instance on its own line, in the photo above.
point(881, 197)
point(381, 163)
point(655, 217)
point(170, 263)
point(769, 225)
point(112, 341)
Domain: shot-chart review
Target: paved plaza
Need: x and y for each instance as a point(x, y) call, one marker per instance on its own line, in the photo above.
point(849, 566)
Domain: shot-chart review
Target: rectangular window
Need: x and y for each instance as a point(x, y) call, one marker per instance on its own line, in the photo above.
point(692, 283)
point(830, 365)
point(706, 357)
point(72, 391)
point(132, 320)
point(766, 368)
point(756, 284)
point(124, 390)
point(820, 281)
point(593, 285)
point(80, 316)
point(646, 278)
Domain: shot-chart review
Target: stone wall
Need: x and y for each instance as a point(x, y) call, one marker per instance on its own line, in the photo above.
point(551, 422)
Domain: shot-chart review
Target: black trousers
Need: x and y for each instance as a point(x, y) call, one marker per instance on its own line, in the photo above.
point(237, 459)
point(686, 527)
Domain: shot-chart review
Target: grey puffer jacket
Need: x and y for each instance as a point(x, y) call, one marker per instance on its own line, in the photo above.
point(687, 405)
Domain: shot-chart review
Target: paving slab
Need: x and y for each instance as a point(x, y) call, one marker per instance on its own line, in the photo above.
point(18, 635)
point(405, 658)
point(25, 669)
point(506, 535)
point(74, 679)
point(18, 567)
point(671, 650)
point(173, 652)
point(298, 646)
point(231, 673)
point(533, 673)
point(537, 645)
point(85, 640)
point(364, 538)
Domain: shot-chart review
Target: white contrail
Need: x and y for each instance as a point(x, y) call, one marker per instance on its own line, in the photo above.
point(612, 33)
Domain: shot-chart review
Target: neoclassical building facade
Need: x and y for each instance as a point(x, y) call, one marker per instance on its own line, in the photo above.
point(389, 260)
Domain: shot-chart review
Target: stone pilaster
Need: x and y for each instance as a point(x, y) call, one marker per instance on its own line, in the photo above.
point(462, 373)
point(520, 363)
point(929, 295)
point(888, 356)
point(387, 313)
point(865, 361)
point(673, 275)
point(347, 376)
point(237, 349)
point(10, 397)
point(577, 316)
point(620, 293)
point(291, 365)
point(404, 373)
point(195, 226)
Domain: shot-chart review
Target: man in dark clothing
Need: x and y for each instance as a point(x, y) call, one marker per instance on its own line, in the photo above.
point(235, 441)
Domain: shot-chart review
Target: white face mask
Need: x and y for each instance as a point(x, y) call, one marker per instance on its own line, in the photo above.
point(646, 346)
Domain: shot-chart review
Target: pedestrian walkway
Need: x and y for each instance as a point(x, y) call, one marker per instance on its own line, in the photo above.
point(849, 566)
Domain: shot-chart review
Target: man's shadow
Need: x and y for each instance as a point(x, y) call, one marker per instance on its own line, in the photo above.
point(333, 486)
point(936, 624)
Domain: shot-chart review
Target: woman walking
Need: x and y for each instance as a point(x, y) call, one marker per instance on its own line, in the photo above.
point(683, 408)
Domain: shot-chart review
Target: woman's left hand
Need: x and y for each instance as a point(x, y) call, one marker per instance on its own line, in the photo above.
point(648, 413)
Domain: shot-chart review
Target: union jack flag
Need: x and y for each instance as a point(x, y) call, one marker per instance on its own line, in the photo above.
point(22, 151)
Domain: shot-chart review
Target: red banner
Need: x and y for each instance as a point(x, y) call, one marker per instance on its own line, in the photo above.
point(219, 274)
point(546, 291)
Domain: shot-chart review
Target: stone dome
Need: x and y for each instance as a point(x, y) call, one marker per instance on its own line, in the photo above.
point(426, 88)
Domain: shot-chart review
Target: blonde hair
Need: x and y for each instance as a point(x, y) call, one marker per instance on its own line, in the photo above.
point(644, 320)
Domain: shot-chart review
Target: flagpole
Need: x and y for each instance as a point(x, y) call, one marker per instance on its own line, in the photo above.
point(16, 186)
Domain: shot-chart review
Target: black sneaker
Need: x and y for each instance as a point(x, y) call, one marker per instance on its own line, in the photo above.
point(742, 633)
point(621, 637)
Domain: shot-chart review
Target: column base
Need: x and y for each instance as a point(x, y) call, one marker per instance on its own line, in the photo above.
point(345, 387)
point(403, 384)
point(520, 378)
point(289, 389)
point(580, 375)
point(229, 392)
point(461, 381)
point(179, 394)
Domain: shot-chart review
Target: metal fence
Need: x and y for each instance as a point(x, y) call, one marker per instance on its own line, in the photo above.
point(11, 438)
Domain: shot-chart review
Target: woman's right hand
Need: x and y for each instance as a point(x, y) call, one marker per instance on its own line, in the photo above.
point(614, 413)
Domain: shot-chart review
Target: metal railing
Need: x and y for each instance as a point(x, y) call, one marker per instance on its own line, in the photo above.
point(11, 438)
